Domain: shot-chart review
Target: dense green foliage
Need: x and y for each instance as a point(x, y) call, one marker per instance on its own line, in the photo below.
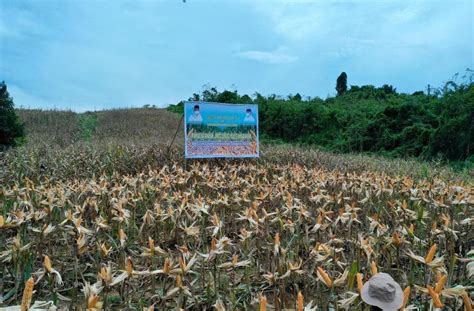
point(87, 124)
point(369, 119)
point(11, 129)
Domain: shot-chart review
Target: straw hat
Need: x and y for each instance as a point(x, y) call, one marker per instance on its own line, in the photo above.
point(382, 291)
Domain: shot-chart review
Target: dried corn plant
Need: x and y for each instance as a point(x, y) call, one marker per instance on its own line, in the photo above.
point(237, 235)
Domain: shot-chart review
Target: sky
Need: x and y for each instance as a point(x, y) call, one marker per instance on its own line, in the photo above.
point(92, 55)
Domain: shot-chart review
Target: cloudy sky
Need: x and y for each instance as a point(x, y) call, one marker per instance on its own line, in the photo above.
point(91, 54)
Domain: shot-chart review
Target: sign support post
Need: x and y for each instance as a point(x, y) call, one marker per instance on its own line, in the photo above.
point(174, 137)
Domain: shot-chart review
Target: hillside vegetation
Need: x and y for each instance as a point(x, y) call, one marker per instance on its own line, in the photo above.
point(63, 145)
point(434, 126)
point(130, 126)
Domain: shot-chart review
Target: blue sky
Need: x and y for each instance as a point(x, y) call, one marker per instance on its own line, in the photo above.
point(91, 55)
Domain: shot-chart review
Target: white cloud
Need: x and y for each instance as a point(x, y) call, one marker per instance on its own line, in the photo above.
point(298, 27)
point(411, 12)
point(292, 20)
point(275, 57)
point(309, 21)
point(19, 23)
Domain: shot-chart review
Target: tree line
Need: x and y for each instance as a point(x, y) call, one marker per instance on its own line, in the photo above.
point(436, 124)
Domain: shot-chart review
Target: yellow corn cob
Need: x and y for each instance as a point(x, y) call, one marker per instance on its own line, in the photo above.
point(47, 264)
point(360, 283)
point(325, 277)
point(436, 301)
point(373, 268)
point(406, 295)
point(263, 303)
point(129, 265)
point(431, 253)
point(299, 302)
point(27, 294)
point(440, 284)
point(467, 302)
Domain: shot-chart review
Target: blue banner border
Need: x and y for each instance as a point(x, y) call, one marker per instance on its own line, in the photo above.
point(220, 155)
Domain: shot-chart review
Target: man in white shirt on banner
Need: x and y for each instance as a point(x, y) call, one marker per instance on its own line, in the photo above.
point(196, 116)
point(248, 116)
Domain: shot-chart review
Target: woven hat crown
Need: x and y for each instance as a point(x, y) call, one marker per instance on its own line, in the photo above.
point(382, 290)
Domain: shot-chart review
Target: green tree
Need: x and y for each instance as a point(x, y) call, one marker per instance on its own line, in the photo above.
point(297, 97)
point(388, 89)
point(341, 84)
point(11, 129)
point(454, 137)
point(227, 97)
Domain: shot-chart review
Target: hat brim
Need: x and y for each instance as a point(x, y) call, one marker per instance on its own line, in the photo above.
point(388, 306)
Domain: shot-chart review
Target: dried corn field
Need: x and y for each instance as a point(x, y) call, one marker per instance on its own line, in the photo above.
point(234, 236)
point(128, 227)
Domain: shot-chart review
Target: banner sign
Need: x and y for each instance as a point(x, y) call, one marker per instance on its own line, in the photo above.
point(216, 130)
